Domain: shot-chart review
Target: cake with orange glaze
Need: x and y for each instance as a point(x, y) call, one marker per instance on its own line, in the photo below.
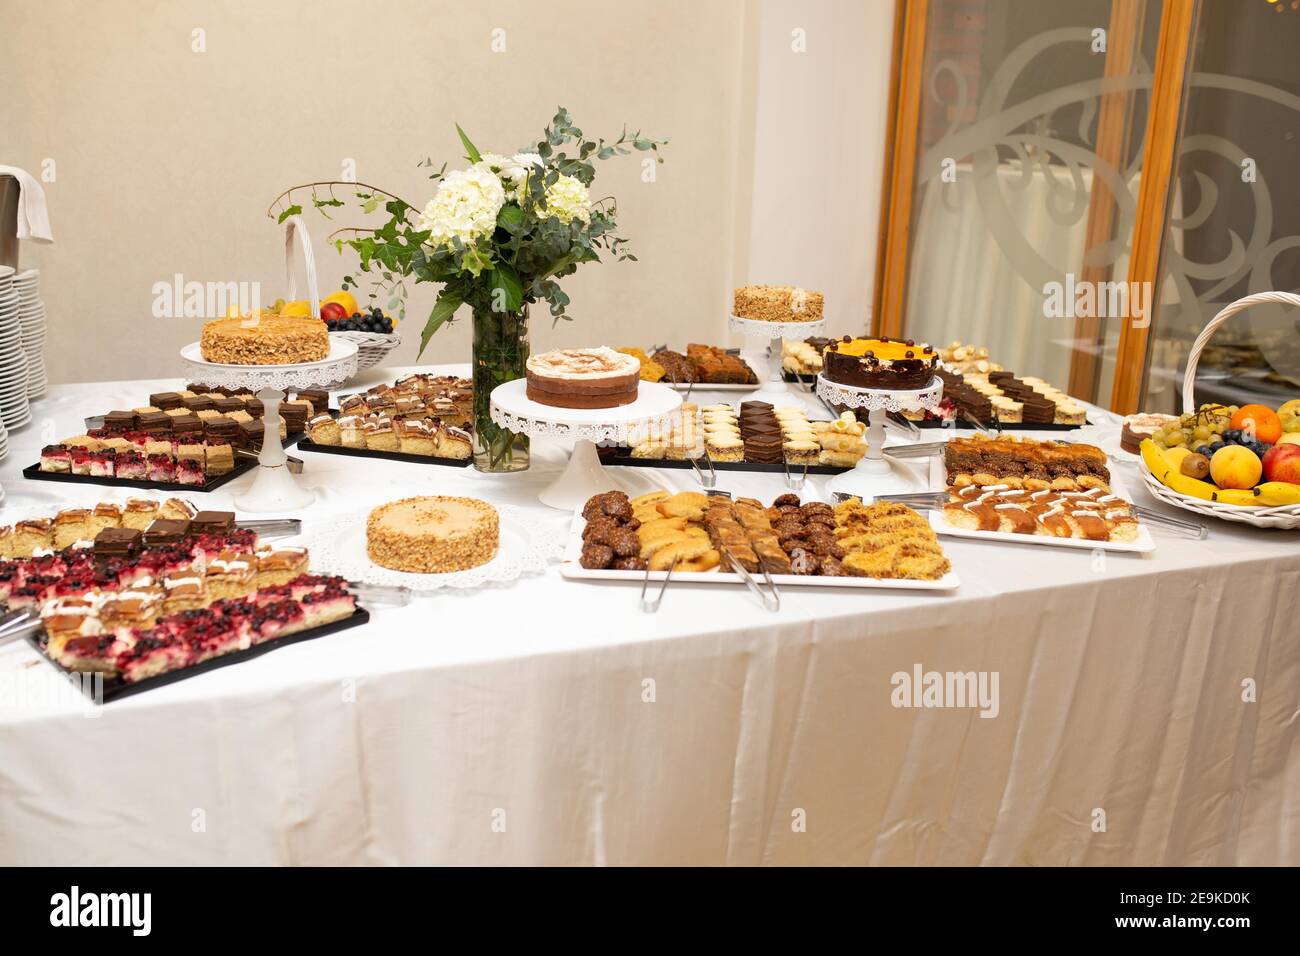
point(879, 363)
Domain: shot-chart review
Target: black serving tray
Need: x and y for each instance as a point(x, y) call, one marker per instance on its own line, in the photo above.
point(306, 444)
point(114, 688)
point(628, 461)
point(242, 467)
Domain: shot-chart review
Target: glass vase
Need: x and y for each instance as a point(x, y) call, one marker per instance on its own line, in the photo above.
point(500, 351)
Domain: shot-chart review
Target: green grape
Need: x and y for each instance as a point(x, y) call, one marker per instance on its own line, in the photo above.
point(1176, 437)
point(1203, 432)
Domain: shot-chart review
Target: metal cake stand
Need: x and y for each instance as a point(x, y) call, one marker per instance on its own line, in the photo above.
point(274, 488)
point(584, 476)
point(763, 350)
point(877, 473)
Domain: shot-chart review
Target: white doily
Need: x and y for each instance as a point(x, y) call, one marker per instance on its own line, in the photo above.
point(775, 330)
point(330, 372)
point(528, 545)
point(656, 409)
point(873, 399)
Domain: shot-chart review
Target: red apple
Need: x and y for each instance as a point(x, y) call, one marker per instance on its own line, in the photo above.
point(333, 310)
point(1282, 463)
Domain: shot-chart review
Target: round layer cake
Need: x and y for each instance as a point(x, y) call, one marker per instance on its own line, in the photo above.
point(777, 303)
point(433, 534)
point(887, 364)
point(266, 339)
point(583, 378)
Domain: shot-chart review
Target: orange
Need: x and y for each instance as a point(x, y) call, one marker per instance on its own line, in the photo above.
point(1260, 419)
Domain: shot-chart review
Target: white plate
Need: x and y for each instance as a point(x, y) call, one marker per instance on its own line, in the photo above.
point(572, 568)
point(938, 482)
point(339, 349)
point(707, 387)
point(527, 546)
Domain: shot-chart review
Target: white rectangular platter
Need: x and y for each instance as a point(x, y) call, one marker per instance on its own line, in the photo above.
point(572, 568)
point(939, 482)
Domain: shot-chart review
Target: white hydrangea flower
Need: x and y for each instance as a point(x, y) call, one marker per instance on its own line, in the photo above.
point(567, 199)
point(465, 206)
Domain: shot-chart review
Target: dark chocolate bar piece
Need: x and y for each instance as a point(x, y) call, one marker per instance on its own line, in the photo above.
point(165, 400)
point(166, 531)
point(119, 421)
point(213, 522)
point(117, 542)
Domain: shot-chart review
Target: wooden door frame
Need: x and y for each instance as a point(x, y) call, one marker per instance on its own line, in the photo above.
point(1164, 124)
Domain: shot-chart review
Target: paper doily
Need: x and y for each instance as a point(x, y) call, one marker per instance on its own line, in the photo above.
point(528, 545)
point(874, 399)
point(774, 330)
point(655, 410)
point(330, 372)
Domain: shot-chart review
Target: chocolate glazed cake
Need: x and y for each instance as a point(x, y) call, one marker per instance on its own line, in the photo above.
point(583, 378)
point(879, 363)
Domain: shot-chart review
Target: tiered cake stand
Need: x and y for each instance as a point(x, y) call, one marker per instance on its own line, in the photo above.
point(877, 473)
point(585, 475)
point(274, 488)
point(758, 336)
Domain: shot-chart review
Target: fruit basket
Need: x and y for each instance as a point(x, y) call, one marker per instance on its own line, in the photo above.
point(1282, 516)
point(371, 346)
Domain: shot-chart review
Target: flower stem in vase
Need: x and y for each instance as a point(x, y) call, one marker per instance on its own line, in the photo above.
point(500, 353)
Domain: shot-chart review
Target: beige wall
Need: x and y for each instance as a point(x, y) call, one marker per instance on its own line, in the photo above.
point(166, 158)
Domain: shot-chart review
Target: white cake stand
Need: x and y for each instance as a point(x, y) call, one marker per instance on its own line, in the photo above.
point(585, 475)
point(759, 334)
point(877, 473)
point(274, 488)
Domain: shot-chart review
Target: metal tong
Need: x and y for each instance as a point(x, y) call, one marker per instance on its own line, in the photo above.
point(271, 527)
point(394, 595)
point(771, 596)
point(17, 623)
point(650, 605)
point(707, 479)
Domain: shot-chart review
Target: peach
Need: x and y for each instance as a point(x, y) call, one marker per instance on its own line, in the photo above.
point(1235, 467)
point(1282, 463)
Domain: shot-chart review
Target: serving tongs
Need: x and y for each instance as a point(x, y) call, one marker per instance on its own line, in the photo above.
point(770, 596)
point(917, 500)
point(17, 623)
point(1182, 527)
point(271, 527)
point(794, 481)
point(650, 605)
point(707, 479)
point(919, 450)
point(393, 595)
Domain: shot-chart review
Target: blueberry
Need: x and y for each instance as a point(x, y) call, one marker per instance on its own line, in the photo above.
point(1216, 445)
point(1204, 450)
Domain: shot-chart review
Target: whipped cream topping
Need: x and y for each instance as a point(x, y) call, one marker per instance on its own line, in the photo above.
point(601, 362)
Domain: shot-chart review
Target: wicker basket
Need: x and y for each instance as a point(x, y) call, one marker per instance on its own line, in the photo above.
point(1281, 516)
point(371, 346)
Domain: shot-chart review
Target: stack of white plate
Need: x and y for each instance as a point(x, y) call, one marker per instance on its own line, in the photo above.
point(14, 410)
point(31, 323)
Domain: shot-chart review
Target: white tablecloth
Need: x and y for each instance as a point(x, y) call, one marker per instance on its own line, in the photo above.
point(552, 722)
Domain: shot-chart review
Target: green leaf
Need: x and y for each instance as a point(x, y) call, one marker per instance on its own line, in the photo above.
point(294, 210)
point(443, 310)
point(471, 151)
point(505, 279)
point(510, 218)
point(475, 261)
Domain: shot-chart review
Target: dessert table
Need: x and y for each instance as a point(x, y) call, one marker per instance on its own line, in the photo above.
point(552, 722)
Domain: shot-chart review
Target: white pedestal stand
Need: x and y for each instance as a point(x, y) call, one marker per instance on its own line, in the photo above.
point(759, 335)
point(877, 473)
point(274, 488)
point(584, 476)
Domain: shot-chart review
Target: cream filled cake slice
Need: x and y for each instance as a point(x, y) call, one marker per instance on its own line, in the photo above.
point(583, 378)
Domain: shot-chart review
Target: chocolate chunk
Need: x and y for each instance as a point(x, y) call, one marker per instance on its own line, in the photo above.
point(165, 400)
point(319, 398)
point(154, 423)
point(119, 421)
point(199, 403)
point(118, 542)
point(226, 405)
point(166, 531)
point(213, 522)
point(186, 425)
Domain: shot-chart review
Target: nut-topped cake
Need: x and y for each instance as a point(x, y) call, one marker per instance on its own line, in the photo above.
point(265, 339)
point(777, 303)
point(583, 378)
point(432, 534)
point(879, 363)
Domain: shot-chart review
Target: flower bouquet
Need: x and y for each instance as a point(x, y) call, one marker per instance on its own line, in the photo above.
point(498, 236)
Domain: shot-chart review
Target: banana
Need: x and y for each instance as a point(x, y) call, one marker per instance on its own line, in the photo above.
point(1236, 496)
point(1277, 493)
point(1155, 462)
point(1193, 487)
